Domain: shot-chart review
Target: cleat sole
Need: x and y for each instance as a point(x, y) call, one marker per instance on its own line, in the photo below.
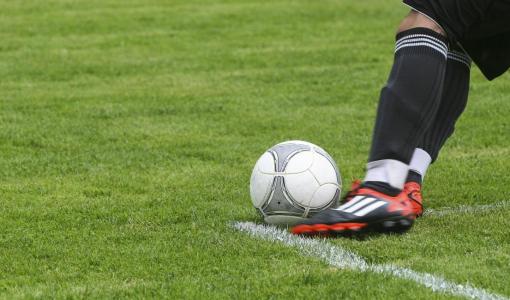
point(397, 225)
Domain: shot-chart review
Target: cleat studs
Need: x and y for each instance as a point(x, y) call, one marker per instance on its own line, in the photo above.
point(355, 227)
point(389, 224)
point(326, 230)
point(343, 226)
point(320, 228)
point(338, 227)
point(302, 229)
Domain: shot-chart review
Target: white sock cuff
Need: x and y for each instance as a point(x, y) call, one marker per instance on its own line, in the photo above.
point(391, 171)
point(420, 162)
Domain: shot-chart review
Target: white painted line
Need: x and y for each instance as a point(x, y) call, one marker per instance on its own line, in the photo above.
point(466, 209)
point(344, 259)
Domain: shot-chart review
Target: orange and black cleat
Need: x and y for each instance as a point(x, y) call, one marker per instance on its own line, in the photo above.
point(366, 210)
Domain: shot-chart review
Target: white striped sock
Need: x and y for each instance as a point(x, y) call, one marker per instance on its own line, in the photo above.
point(422, 40)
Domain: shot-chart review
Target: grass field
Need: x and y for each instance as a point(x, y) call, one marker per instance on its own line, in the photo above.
point(128, 131)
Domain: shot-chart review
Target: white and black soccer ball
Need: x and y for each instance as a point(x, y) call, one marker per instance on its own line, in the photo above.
point(292, 181)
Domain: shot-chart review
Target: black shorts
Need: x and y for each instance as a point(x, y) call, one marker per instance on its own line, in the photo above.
point(480, 27)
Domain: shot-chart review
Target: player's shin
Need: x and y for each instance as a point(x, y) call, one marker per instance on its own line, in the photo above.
point(453, 102)
point(407, 107)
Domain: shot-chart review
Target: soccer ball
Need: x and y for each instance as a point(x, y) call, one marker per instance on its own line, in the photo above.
point(293, 180)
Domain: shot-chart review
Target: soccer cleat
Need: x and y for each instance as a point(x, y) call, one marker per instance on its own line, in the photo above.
point(412, 190)
point(367, 210)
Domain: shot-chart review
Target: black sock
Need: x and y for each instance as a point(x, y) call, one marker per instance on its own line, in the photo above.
point(453, 102)
point(413, 176)
point(411, 97)
point(382, 187)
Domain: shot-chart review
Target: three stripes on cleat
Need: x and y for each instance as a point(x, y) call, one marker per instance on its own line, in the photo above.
point(361, 205)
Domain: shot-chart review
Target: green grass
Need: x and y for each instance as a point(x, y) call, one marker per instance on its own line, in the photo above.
point(128, 130)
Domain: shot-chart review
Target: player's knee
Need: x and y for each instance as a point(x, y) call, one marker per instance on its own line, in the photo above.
point(415, 19)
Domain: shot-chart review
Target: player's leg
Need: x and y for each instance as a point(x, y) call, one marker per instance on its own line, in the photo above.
point(453, 102)
point(408, 103)
point(482, 29)
point(465, 21)
point(407, 106)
